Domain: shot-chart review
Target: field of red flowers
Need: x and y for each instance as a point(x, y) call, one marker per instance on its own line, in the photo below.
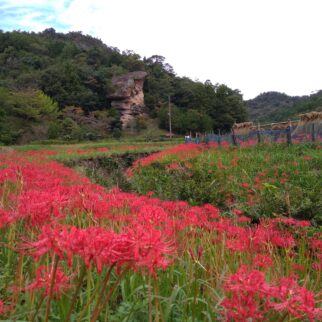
point(72, 250)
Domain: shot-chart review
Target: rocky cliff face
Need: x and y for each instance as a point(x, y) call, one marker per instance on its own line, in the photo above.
point(128, 96)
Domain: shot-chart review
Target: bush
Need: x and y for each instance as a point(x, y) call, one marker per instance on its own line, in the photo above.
point(262, 181)
point(55, 130)
point(117, 133)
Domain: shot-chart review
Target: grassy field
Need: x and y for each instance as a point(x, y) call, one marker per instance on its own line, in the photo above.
point(261, 181)
point(206, 234)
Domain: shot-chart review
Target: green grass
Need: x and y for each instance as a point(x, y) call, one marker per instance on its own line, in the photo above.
point(262, 181)
point(192, 287)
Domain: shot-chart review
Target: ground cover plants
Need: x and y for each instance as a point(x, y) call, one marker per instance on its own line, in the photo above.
point(72, 250)
point(261, 181)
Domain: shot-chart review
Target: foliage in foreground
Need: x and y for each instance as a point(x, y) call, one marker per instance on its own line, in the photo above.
point(72, 251)
point(263, 181)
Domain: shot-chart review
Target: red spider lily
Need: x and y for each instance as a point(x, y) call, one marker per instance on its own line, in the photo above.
point(214, 213)
point(9, 174)
point(149, 249)
point(317, 266)
point(295, 299)
point(38, 206)
point(146, 231)
point(283, 240)
point(243, 219)
point(246, 292)
point(229, 199)
point(262, 173)
point(298, 267)
point(237, 245)
point(251, 202)
point(152, 215)
point(316, 244)
point(141, 247)
point(245, 185)
point(92, 244)
point(48, 241)
point(44, 279)
point(292, 222)
point(5, 218)
point(249, 297)
point(220, 165)
point(257, 180)
point(267, 233)
point(173, 166)
point(182, 151)
point(262, 261)
point(212, 145)
point(234, 162)
point(238, 212)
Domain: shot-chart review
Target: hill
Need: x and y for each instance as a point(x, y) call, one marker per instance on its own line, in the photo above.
point(276, 107)
point(72, 73)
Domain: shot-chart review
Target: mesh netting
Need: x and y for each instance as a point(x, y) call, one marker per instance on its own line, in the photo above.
point(307, 132)
point(227, 139)
point(273, 136)
point(303, 132)
point(213, 138)
point(250, 138)
point(222, 140)
point(319, 133)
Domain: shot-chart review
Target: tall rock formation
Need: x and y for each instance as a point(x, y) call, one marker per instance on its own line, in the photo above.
point(128, 96)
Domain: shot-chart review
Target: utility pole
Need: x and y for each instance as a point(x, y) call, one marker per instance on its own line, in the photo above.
point(170, 124)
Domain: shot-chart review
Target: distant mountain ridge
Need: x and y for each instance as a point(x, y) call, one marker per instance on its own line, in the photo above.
point(276, 106)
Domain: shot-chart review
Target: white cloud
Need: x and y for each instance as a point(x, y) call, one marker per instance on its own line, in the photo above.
point(253, 45)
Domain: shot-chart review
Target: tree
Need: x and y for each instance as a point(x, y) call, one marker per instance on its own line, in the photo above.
point(184, 121)
point(77, 70)
point(229, 108)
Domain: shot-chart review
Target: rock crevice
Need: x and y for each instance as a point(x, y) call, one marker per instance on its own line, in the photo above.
point(128, 96)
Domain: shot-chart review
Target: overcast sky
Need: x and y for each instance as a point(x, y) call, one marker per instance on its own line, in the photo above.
point(252, 45)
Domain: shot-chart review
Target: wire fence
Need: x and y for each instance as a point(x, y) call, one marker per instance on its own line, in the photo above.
point(302, 133)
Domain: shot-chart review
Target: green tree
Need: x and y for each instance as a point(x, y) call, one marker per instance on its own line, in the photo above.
point(184, 121)
point(229, 108)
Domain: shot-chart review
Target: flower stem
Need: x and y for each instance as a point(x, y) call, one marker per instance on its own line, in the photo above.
point(104, 284)
point(56, 260)
point(99, 308)
point(74, 299)
point(150, 298)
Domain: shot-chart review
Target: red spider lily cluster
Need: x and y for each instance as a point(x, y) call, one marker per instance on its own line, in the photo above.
point(68, 219)
point(140, 247)
point(182, 151)
point(43, 281)
point(250, 297)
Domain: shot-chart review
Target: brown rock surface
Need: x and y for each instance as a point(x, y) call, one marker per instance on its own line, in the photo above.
point(128, 96)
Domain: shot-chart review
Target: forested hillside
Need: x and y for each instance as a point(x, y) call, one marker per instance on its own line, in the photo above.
point(275, 106)
point(56, 86)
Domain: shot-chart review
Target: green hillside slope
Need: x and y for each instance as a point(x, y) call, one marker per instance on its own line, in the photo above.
point(275, 107)
point(74, 72)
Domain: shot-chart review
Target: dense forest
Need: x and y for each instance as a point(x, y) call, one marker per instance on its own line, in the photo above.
point(56, 86)
point(276, 107)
